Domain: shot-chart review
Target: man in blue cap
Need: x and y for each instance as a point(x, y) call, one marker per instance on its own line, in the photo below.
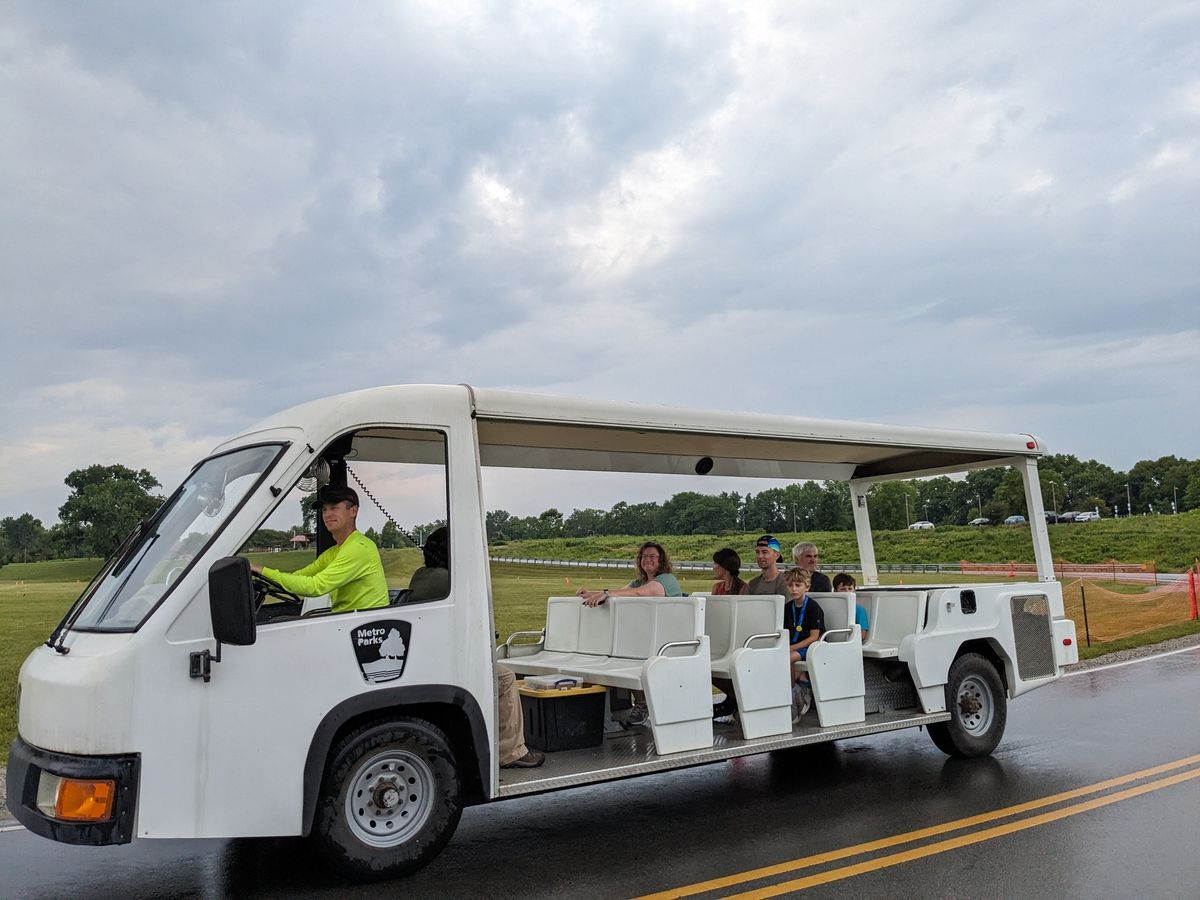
point(768, 554)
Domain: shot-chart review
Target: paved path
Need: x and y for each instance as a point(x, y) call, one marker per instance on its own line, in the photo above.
point(889, 816)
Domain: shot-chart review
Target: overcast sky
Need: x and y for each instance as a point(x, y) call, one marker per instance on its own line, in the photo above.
point(967, 214)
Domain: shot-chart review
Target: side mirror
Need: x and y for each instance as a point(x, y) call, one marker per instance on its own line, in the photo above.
point(231, 601)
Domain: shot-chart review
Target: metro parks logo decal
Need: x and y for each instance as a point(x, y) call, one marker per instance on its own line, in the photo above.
point(382, 649)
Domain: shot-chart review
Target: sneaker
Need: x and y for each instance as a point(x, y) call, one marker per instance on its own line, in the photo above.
point(531, 760)
point(730, 719)
point(639, 715)
point(805, 700)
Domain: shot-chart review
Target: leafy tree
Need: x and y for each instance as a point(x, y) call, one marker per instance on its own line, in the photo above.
point(106, 502)
point(24, 539)
point(308, 512)
point(389, 537)
point(690, 512)
point(635, 519)
point(372, 535)
point(584, 522)
point(886, 502)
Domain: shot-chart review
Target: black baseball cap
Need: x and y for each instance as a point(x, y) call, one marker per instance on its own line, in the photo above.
point(772, 542)
point(330, 495)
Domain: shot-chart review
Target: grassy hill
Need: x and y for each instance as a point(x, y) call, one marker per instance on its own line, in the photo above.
point(1172, 543)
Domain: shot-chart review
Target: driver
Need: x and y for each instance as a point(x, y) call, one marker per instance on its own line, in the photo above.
point(350, 571)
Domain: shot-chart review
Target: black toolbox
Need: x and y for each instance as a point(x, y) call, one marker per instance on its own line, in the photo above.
point(566, 718)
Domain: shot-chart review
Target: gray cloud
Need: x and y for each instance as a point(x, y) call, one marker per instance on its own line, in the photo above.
point(933, 213)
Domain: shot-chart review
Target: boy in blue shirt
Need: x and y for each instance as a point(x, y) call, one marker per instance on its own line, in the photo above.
point(844, 582)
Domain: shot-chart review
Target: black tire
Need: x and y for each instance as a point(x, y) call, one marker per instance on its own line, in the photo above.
point(406, 803)
point(978, 707)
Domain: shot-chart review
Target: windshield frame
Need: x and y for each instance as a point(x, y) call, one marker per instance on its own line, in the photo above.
point(69, 622)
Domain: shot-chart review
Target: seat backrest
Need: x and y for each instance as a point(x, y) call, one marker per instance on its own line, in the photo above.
point(719, 613)
point(756, 614)
point(894, 616)
point(562, 624)
point(643, 624)
point(838, 607)
point(595, 629)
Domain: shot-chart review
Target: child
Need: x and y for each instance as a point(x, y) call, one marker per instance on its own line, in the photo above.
point(844, 582)
point(804, 621)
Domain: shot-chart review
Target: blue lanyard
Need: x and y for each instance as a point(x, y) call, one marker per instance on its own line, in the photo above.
point(799, 616)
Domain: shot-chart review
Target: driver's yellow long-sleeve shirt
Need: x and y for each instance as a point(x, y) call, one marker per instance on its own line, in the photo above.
point(351, 573)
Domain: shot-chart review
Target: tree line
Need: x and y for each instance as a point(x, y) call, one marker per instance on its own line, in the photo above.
point(106, 501)
point(1163, 485)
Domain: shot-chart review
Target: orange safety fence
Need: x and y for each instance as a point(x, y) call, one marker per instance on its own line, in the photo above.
point(1113, 614)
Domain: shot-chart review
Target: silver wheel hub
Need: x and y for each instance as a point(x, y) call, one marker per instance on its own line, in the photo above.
point(389, 798)
point(976, 707)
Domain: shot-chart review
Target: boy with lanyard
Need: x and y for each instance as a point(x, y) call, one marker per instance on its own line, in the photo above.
point(804, 620)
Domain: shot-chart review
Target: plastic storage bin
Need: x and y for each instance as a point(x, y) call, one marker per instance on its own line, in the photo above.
point(563, 719)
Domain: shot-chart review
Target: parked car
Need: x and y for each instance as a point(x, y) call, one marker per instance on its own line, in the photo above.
point(980, 521)
point(921, 526)
point(1015, 520)
point(1088, 517)
point(1052, 518)
point(1069, 517)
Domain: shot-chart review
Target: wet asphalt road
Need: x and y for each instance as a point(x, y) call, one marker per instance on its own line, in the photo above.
point(683, 828)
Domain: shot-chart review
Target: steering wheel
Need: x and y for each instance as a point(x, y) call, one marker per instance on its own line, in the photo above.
point(264, 587)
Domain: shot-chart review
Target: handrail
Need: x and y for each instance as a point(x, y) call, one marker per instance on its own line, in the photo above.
point(695, 642)
point(515, 634)
point(754, 637)
point(826, 634)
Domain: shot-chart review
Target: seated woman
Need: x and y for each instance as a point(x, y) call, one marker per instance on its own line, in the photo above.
point(654, 578)
point(432, 580)
point(727, 569)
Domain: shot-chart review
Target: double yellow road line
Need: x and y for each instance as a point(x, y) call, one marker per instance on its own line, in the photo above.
point(1190, 765)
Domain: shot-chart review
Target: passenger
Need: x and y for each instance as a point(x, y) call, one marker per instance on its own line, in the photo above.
point(804, 555)
point(350, 571)
point(844, 582)
point(727, 568)
point(804, 621)
point(432, 580)
point(654, 578)
point(768, 555)
point(513, 752)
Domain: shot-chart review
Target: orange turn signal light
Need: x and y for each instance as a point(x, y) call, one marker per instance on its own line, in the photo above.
point(88, 800)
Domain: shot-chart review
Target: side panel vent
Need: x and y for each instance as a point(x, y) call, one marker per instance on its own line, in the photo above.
point(966, 601)
point(1033, 636)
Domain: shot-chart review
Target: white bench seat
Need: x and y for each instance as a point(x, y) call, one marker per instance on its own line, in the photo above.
point(835, 663)
point(750, 648)
point(652, 644)
point(894, 616)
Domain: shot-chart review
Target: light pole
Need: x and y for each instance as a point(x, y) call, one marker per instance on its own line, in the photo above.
point(1128, 501)
point(793, 518)
point(1053, 498)
point(1175, 501)
point(907, 520)
point(926, 511)
point(979, 504)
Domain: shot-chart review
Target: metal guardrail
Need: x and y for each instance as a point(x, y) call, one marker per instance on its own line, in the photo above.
point(1064, 571)
point(700, 566)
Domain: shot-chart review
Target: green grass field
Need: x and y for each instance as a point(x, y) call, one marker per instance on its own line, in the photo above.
point(34, 597)
point(1172, 543)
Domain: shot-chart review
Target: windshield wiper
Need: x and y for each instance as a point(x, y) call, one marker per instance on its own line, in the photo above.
point(116, 563)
